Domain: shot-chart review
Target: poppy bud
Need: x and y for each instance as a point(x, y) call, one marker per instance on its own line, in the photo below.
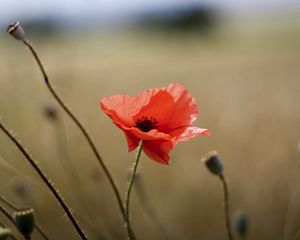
point(22, 189)
point(95, 175)
point(24, 220)
point(4, 233)
point(51, 112)
point(16, 31)
point(213, 163)
point(240, 224)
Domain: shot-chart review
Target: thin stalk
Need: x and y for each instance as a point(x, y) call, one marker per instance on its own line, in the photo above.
point(75, 183)
point(80, 126)
point(14, 207)
point(129, 190)
point(36, 184)
point(46, 180)
point(9, 217)
point(226, 207)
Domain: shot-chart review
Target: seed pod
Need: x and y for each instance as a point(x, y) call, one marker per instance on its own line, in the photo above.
point(240, 224)
point(24, 220)
point(16, 31)
point(51, 112)
point(213, 163)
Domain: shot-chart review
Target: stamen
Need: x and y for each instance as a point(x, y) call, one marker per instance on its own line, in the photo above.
point(146, 124)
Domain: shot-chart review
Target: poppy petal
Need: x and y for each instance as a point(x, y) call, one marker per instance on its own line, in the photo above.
point(159, 117)
point(185, 133)
point(148, 136)
point(132, 141)
point(158, 150)
point(160, 106)
point(122, 108)
point(119, 108)
point(186, 111)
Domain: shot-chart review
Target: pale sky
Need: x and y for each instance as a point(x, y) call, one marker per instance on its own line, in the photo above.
point(11, 10)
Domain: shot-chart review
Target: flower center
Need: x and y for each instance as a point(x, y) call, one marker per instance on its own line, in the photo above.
point(146, 124)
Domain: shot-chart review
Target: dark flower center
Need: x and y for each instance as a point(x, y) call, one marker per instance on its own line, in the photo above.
point(146, 124)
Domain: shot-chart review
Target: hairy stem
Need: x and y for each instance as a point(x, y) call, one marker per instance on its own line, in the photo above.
point(9, 217)
point(129, 190)
point(46, 180)
point(226, 207)
point(80, 126)
point(14, 207)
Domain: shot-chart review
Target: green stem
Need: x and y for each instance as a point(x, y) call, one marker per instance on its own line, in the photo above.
point(14, 207)
point(135, 165)
point(80, 126)
point(226, 207)
point(10, 217)
point(46, 180)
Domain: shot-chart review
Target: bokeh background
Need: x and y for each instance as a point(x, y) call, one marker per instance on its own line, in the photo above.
point(239, 59)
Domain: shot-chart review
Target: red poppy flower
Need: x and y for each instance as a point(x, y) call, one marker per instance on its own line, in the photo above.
point(160, 117)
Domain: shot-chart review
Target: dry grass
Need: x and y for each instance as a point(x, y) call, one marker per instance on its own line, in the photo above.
point(248, 95)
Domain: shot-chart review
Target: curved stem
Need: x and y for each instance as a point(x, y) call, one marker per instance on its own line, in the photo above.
point(47, 181)
point(80, 126)
point(9, 217)
point(134, 168)
point(226, 207)
point(12, 206)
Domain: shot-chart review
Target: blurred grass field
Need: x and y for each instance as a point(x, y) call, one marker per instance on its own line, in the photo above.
point(246, 83)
